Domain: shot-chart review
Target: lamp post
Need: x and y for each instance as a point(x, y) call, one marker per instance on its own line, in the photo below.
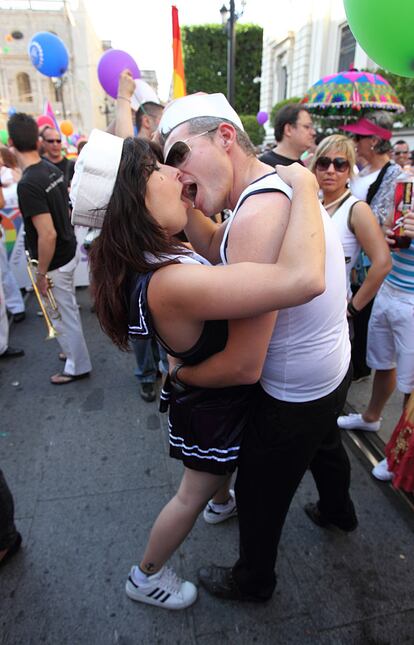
point(228, 19)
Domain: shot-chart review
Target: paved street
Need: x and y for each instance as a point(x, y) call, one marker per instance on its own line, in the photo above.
point(89, 470)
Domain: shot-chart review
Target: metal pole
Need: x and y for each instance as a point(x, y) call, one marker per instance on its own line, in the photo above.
point(231, 53)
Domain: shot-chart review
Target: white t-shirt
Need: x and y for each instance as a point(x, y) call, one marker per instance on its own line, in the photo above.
point(309, 352)
point(350, 244)
point(359, 185)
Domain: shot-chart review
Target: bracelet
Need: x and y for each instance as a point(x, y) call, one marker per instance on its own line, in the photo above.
point(179, 386)
point(353, 311)
point(124, 98)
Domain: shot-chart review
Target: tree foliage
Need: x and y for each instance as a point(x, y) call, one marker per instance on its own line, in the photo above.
point(404, 88)
point(205, 62)
point(255, 131)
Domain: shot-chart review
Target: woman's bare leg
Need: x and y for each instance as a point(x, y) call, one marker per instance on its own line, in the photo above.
point(177, 518)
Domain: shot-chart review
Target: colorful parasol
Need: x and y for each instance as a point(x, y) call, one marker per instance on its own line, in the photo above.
point(345, 94)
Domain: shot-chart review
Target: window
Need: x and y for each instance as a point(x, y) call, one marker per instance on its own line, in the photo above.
point(281, 77)
point(347, 50)
point(24, 88)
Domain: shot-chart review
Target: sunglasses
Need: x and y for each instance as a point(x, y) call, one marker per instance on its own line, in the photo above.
point(339, 163)
point(401, 152)
point(53, 140)
point(180, 150)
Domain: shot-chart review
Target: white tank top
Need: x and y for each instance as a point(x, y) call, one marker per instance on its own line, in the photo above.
point(350, 244)
point(309, 352)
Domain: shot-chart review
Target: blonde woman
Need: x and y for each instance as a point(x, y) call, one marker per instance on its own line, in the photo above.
point(358, 228)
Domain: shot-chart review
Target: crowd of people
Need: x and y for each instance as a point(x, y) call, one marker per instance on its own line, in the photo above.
point(225, 310)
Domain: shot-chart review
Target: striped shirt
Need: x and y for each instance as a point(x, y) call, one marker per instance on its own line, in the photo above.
point(401, 275)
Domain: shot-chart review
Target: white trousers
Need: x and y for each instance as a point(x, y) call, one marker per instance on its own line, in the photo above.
point(69, 328)
point(4, 324)
point(12, 294)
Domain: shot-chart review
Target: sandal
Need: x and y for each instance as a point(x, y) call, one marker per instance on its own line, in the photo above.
point(61, 378)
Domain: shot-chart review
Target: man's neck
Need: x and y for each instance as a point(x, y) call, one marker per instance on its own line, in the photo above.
point(53, 160)
point(286, 150)
point(27, 159)
point(246, 170)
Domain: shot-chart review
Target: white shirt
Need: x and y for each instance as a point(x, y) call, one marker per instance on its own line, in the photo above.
point(309, 352)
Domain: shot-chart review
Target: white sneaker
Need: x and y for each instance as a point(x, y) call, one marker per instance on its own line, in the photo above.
point(380, 471)
point(214, 515)
point(356, 422)
point(164, 589)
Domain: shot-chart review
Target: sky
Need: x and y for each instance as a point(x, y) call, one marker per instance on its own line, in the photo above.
point(143, 29)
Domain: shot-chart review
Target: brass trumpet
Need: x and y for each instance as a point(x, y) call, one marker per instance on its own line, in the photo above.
point(51, 331)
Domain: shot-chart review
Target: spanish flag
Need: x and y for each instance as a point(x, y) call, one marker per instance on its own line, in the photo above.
point(178, 73)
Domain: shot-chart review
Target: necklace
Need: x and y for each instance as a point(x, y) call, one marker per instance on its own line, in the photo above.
point(339, 199)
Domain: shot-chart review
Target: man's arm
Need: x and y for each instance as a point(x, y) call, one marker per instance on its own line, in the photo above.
point(256, 235)
point(123, 118)
point(46, 245)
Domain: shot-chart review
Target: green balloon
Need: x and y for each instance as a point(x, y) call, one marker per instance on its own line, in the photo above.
point(4, 137)
point(385, 32)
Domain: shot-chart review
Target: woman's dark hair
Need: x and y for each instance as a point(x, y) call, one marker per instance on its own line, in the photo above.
point(8, 157)
point(129, 234)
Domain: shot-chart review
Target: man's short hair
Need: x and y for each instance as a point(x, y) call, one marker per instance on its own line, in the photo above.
point(150, 109)
point(288, 114)
point(401, 142)
point(23, 131)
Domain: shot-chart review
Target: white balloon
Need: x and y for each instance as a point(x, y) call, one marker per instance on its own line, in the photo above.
point(143, 94)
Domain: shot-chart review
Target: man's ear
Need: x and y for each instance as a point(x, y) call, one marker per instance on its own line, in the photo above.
point(227, 134)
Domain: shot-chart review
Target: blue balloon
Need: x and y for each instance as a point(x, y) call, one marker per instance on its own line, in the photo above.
point(48, 54)
point(12, 110)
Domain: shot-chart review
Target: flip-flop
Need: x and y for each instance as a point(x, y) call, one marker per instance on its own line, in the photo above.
point(62, 356)
point(67, 378)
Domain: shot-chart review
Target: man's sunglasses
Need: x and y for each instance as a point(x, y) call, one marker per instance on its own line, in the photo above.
point(53, 140)
point(180, 150)
point(401, 152)
point(339, 163)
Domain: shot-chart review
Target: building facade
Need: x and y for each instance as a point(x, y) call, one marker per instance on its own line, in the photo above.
point(308, 40)
point(22, 88)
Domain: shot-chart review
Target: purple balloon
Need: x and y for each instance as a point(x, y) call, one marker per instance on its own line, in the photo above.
point(262, 117)
point(111, 64)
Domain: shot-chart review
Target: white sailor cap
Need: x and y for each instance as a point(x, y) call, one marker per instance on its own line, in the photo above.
point(92, 185)
point(197, 105)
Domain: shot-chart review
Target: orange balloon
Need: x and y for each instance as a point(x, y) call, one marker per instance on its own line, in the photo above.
point(66, 127)
point(8, 38)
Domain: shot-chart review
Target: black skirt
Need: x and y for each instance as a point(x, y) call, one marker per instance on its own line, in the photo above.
point(206, 427)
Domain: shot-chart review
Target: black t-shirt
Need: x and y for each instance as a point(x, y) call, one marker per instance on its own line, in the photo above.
point(67, 166)
point(42, 189)
point(272, 158)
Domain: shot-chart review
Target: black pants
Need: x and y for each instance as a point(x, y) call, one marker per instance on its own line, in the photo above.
point(8, 531)
point(282, 441)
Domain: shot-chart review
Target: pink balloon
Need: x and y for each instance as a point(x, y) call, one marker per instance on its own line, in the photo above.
point(262, 117)
point(45, 120)
point(110, 66)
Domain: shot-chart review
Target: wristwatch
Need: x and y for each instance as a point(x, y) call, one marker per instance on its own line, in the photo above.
point(178, 385)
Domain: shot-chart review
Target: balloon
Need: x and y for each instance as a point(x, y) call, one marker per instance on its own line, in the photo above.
point(262, 117)
point(12, 110)
point(384, 31)
point(4, 137)
point(110, 66)
point(45, 120)
point(143, 94)
point(8, 38)
point(48, 54)
point(66, 127)
point(6, 50)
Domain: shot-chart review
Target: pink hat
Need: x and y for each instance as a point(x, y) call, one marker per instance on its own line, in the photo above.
point(368, 128)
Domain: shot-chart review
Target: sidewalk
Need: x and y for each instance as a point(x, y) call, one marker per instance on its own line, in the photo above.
point(89, 470)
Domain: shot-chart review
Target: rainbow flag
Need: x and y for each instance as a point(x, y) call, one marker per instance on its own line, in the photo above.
point(178, 73)
point(48, 111)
